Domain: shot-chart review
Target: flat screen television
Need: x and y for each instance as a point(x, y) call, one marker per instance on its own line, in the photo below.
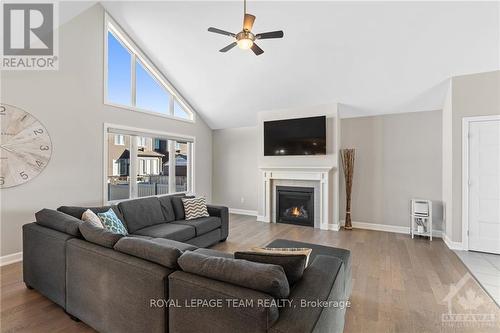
point(302, 136)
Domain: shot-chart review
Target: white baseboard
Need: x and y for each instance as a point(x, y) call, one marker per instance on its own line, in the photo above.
point(451, 244)
point(11, 258)
point(243, 212)
point(387, 228)
point(334, 227)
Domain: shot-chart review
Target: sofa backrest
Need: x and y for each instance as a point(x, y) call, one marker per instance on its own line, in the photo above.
point(167, 208)
point(141, 213)
point(77, 211)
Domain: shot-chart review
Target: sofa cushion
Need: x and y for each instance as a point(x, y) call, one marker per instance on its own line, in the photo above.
point(292, 264)
point(112, 223)
point(141, 213)
point(99, 236)
point(58, 221)
point(179, 206)
point(214, 253)
point(270, 279)
point(167, 208)
point(173, 231)
point(203, 224)
point(77, 212)
point(158, 250)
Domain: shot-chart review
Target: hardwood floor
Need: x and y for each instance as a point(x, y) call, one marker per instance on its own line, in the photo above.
point(398, 283)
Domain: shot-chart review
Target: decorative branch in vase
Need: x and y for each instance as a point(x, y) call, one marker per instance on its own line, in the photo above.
point(347, 157)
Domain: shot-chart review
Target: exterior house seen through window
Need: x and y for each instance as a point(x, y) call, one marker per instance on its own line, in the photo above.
point(162, 166)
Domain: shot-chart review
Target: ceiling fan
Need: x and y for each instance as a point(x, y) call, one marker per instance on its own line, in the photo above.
point(245, 39)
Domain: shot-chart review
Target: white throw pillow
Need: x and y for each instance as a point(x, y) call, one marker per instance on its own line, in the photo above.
point(195, 208)
point(92, 218)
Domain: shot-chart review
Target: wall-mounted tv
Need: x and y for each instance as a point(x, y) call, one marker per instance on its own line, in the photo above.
point(302, 136)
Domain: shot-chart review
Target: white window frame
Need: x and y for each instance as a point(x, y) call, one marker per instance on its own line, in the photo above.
point(137, 54)
point(120, 141)
point(136, 132)
point(141, 142)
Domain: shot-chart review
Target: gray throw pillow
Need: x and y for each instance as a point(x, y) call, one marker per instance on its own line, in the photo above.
point(99, 236)
point(161, 251)
point(293, 265)
point(270, 279)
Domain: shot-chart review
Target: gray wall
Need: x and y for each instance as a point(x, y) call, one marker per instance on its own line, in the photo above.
point(69, 102)
point(235, 170)
point(472, 95)
point(398, 157)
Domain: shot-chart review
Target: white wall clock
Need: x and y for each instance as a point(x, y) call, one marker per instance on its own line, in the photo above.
point(25, 146)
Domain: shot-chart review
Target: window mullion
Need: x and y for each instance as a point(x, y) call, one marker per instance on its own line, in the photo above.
point(171, 105)
point(134, 163)
point(133, 79)
point(171, 166)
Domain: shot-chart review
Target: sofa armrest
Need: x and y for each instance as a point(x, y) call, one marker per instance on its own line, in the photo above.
point(223, 213)
point(229, 308)
point(323, 281)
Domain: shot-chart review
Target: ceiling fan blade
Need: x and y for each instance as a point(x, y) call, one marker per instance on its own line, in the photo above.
point(222, 32)
point(248, 21)
point(256, 49)
point(227, 48)
point(268, 35)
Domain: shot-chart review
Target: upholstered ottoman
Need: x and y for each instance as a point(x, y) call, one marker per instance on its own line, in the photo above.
point(342, 254)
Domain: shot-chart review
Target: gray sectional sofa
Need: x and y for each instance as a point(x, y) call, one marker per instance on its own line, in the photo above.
point(123, 284)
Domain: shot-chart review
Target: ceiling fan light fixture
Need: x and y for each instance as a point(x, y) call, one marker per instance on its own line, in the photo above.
point(245, 43)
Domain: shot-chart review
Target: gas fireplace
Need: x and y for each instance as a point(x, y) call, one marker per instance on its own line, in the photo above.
point(295, 205)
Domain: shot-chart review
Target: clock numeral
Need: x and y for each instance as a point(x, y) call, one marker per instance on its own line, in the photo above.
point(42, 147)
point(38, 131)
point(23, 175)
point(39, 163)
point(2, 180)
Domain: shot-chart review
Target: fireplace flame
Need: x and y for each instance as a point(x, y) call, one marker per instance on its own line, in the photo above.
point(295, 212)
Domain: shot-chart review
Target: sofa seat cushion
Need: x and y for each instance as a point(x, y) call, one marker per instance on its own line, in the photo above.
point(177, 232)
point(141, 213)
point(202, 224)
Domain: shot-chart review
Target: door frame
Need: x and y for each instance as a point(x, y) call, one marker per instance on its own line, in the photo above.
point(466, 121)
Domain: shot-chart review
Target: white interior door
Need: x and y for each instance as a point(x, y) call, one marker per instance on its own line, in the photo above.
point(484, 186)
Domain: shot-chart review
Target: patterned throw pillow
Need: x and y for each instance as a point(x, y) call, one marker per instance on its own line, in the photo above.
point(112, 223)
point(285, 250)
point(195, 208)
point(90, 217)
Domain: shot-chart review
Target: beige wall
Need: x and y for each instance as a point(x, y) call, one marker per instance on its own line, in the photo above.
point(235, 170)
point(398, 157)
point(472, 95)
point(69, 103)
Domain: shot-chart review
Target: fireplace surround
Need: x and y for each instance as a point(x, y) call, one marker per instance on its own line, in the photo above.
point(295, 205)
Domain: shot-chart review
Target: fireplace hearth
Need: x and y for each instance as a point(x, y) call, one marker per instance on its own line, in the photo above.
point(295, 205)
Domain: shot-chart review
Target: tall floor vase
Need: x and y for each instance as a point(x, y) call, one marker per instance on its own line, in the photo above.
point(347, 156)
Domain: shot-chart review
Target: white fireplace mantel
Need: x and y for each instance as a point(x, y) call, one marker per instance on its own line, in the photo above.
point(327, 178)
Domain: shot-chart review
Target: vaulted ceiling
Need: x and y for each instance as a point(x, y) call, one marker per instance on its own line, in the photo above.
point(373, 57)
